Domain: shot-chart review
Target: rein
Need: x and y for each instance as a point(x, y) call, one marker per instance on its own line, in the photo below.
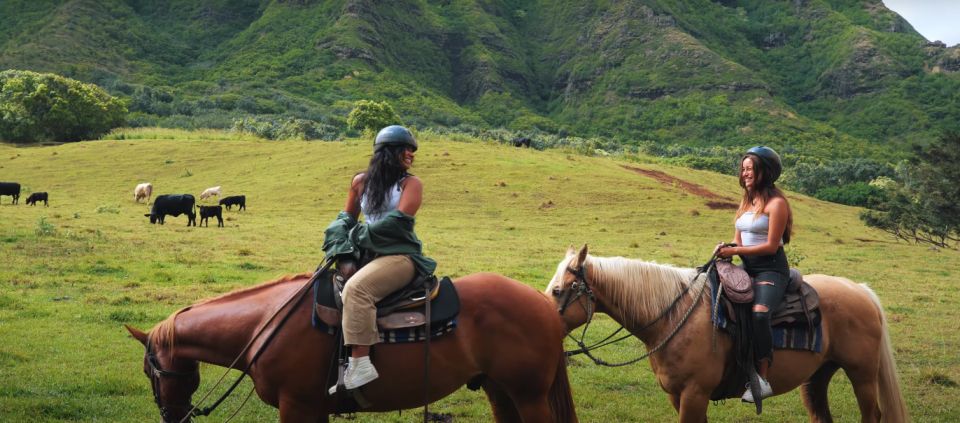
point(583, 290)
point(195, 411)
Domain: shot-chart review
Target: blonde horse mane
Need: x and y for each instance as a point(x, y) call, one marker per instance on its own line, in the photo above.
point(162, 335)
point(636, 287)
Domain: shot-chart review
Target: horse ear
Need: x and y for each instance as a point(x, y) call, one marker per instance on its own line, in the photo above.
point(583, 254)
point(138, 334)
point(571, 250)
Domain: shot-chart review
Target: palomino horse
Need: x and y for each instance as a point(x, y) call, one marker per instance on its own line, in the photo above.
point(508, 340)
point(688, 367)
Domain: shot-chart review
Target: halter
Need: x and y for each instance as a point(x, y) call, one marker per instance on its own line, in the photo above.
point(580, 288)
point(156, 373)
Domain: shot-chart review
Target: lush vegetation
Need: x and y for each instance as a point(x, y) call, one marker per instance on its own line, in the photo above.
point(74, 272)
point(801, 76)
point(38, 107)
point(923, 205)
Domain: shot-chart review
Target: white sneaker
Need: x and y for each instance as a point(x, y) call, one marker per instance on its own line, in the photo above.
point(360, 371)
point(765, 391)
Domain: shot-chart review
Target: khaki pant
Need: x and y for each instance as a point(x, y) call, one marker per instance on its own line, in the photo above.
point(379, 278)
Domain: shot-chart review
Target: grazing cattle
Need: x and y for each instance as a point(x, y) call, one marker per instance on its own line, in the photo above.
point(521, 142)
point(235, 200)
point(207, 212)
point(209, 192)
point(37, 196)
point(143, 191)
point(174, 205)
point(12, 189)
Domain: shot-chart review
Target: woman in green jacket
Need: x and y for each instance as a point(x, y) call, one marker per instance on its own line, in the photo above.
point(389, 197)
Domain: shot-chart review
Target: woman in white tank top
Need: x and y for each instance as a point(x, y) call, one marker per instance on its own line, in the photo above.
point(763, 225)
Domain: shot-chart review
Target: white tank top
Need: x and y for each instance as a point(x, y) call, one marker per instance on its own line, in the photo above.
point(754, 231)
point(393, 199)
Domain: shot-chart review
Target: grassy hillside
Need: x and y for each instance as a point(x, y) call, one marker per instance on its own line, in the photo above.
point(807, 75)
point(73, 273)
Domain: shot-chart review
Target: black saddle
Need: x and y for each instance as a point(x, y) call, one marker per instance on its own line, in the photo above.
point(404, 309)
point(800, 307)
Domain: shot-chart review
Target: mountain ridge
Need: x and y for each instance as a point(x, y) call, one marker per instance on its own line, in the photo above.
point(795, 74)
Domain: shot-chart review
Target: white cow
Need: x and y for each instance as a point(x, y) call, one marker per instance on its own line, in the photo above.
point(143, 191)
point(209, 192)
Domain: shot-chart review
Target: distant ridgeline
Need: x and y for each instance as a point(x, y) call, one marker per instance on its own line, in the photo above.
point(821, 78)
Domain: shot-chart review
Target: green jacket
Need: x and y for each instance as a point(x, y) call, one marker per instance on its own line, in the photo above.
point(393, 234)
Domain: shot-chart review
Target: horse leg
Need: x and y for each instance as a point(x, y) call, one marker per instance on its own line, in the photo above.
point(693, 407)
point(518, 405)
point(293, 411)
point(675, 400)
point(865, 387)
point(500, 402)
point(535, 409)
point(814, 393)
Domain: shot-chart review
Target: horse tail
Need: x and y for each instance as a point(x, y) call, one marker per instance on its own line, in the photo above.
point(892, 405)
point(560, 396)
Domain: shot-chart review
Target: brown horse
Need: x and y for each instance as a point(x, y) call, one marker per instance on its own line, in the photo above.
point(508, 340)
point(688, 368)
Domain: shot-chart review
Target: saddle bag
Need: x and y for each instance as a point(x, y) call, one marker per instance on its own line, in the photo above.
point(737, 285)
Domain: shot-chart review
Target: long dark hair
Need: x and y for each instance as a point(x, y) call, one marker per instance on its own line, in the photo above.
point(763, 191)
point(384, 171)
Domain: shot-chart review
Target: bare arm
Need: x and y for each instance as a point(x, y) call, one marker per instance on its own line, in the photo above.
point(353, 196)
point(412, 196)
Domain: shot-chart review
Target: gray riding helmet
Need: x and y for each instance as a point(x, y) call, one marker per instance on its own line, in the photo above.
point(771, 161)
point(395, 135)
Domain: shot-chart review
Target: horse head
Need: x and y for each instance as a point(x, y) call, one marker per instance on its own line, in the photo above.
point(570, 290)
point(173, 380)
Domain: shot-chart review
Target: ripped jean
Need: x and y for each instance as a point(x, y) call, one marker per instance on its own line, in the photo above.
point(768, 290)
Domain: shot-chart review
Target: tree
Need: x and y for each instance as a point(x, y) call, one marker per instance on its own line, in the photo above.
point(368, 115)
point(47, 107)
point(924, 206)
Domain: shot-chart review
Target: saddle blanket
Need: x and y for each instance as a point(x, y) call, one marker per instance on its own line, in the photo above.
point(798, 337)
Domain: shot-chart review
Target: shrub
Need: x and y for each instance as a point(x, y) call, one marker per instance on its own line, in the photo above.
point(285, 128)
point(46, 107)
point(45, 228)
point(370, 115)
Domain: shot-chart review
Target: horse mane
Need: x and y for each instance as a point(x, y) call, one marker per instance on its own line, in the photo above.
point(162, 335)
point(636, 287)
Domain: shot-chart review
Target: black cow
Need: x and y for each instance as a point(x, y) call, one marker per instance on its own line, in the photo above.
point(12, 189)
point(239, 200)
point(174, 205)
point(208, 211)
point(521, 142)
point(38, 196)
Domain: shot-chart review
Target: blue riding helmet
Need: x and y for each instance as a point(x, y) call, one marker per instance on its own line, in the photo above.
point(395, 135)
point(770, 161)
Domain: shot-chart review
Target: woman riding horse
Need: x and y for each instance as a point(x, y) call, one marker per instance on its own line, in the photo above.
point(385, 245)
point(763, 225)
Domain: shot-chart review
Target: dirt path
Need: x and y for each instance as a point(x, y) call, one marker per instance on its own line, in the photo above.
point(719, 202)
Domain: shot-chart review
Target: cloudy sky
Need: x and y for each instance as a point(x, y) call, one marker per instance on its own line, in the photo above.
point(934, 19)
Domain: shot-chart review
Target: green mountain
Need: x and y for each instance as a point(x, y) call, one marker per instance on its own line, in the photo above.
point(811, 74)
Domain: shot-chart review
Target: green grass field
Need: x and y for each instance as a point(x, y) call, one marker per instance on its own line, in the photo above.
point(71, 274)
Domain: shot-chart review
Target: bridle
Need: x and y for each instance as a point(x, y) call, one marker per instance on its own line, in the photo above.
point(156, 374)
point(580, 289)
